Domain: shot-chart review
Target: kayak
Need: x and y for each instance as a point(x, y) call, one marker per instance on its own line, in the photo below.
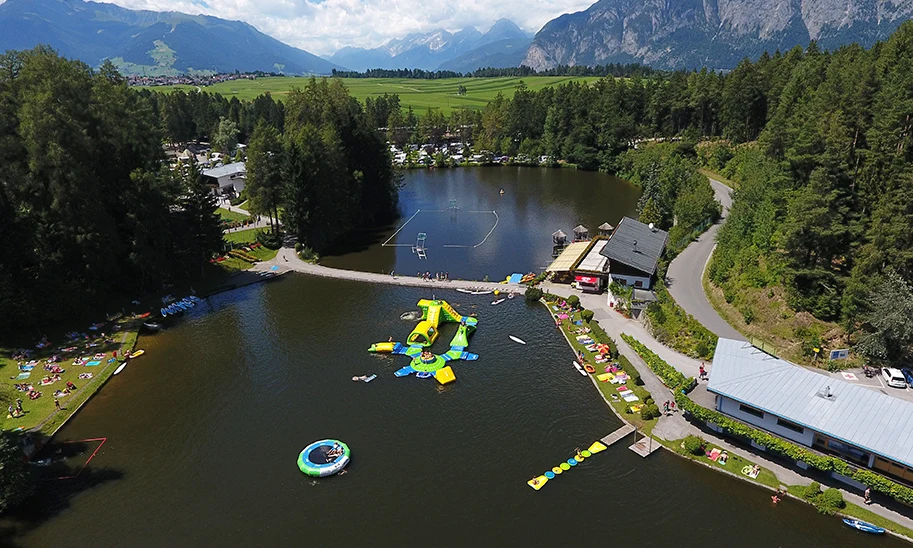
point(499, 301)
point(121, 368)
point(480, 293)
point(371, 378)
point(864, 526)
point(517, 339)
point(461, 290)
point(579, 369)
point(137, 353)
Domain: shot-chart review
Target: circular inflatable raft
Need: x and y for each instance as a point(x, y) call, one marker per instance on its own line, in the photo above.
point(316, 459)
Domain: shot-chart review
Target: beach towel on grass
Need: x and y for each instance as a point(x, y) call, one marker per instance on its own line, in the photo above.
point(26, 367)
point(622, 388)
point(715, 454)
point(93, 364)
point(630, 397)
point(625, 393)
point(21, 376)
point(605, 377)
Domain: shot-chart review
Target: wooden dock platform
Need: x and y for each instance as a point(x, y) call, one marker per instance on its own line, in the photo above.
point(645, 446)
point(617, 435)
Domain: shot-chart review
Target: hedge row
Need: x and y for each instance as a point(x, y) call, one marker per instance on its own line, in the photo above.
point(670, 376)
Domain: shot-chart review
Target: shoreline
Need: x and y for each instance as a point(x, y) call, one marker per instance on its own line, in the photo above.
point(107, 372)
point(667, 445)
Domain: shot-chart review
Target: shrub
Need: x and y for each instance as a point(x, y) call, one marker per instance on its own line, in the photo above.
point(533, 293)
point(573, 301)
point(271, 240)
point(811, 491)
point(586, 315)
point(649, 400)
point(297, 246)
point(668, 374)
point(628, 410)
point(748, 315)
point(693, 445)
point(830, 501)
point(648, 412)
point(308, 254)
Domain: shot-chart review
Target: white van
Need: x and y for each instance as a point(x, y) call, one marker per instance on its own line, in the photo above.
point(893, 377)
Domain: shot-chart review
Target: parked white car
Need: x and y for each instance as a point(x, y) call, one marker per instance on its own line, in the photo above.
point(893, 377)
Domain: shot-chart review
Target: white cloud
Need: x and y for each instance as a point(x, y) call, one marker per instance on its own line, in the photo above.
point(322, 27)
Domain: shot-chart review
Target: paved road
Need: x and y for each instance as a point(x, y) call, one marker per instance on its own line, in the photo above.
point(687, 270)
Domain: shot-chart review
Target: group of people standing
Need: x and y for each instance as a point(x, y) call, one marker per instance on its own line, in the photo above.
point(437, 276)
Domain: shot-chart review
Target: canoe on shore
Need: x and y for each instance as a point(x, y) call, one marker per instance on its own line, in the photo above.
point(863, 526)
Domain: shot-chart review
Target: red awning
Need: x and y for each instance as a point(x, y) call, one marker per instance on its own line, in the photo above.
point(587, 279)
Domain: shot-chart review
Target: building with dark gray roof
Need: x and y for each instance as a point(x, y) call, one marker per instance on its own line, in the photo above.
point(633, 252)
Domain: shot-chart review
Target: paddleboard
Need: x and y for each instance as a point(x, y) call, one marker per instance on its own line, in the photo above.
point(499, 301)
point(121, 368)
point(461, 290)
point(481, 292)
point(517, 339)
point(579, 369)
point(371, 378)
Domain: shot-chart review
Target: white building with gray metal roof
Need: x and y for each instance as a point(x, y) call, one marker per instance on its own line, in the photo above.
point(858, 424)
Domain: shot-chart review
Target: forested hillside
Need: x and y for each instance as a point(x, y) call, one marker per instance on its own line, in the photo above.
point(89, 206)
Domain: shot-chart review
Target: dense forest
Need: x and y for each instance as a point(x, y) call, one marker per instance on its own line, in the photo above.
point(611, 69)
point(91, 206)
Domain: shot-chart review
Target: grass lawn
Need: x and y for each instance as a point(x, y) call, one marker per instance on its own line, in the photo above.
point(227, 215)
point(609, 390)
point(42, 411)
point(419, 94)
point(734, 464)
point(243, 236)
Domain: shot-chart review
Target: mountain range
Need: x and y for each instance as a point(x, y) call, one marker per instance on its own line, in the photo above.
point(504, 45)
point(664, 34)
point(713, 33)
point(149, 42)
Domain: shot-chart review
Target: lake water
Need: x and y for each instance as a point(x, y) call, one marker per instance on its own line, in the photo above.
point(488, 234)
point(203, 432)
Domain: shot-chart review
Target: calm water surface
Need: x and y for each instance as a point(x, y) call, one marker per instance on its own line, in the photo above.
point(536, 202)
point(203, 434)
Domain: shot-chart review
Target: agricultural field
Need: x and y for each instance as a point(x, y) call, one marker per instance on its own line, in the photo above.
point(418, 94)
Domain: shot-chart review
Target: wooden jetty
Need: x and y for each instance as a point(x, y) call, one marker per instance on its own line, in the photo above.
point(617, 435)
point(645, 446)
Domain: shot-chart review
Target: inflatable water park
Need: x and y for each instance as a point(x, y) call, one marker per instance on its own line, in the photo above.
point(324, 458)
point(539, 481)
point(424, 363)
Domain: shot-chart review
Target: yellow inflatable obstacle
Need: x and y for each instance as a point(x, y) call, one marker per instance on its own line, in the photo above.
point(537, 482)
point(597, 447)
point(445, 375)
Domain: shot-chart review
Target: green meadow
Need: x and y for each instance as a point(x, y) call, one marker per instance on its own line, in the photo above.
point(418, 94)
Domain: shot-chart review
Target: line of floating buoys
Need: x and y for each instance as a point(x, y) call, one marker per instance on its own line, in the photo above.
point(538, 481)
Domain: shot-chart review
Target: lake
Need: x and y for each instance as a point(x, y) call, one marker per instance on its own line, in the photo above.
point(203, 432)
point(488, 233)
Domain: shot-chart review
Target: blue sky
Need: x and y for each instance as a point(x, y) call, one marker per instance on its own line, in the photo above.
point(324, 26)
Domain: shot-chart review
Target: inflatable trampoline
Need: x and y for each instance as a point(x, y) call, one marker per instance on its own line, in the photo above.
point(316, 459)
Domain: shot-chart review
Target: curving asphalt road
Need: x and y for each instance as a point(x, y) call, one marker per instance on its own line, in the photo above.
point(687, 270)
